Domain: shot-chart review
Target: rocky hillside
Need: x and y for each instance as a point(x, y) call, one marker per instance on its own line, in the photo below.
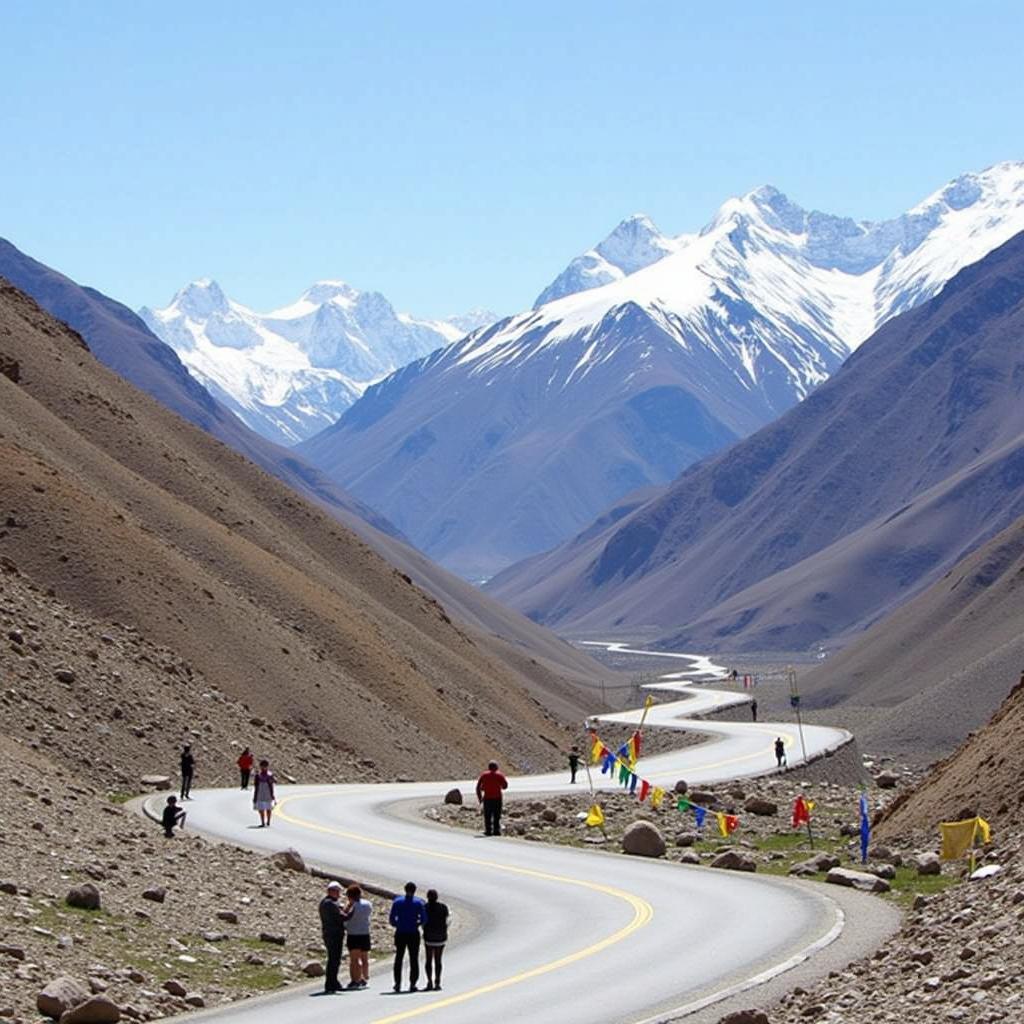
point(126, 514)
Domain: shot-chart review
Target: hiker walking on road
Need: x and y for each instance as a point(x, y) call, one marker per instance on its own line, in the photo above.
point(357, 914)
point(780, 752)
point(753, 710)
point(489, 788)
point(245, 763)
point(188, 770)
point(173, 815)
point(332, 927)
point(408, 913)
point(263, 793)
point(574, 764)
point(435, 935)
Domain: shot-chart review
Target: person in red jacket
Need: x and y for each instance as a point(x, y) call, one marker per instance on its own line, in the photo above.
point(245, 763)
point(489, 788)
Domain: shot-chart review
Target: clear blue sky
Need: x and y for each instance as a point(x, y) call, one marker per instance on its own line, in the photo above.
point(456, 154)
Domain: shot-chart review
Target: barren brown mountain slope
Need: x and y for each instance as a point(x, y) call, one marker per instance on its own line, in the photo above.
point(984, 776)
point(940, 665)
point(131, 514)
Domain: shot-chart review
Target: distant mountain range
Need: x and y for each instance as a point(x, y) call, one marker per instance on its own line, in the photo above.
point(655, 353)
point(290, 373)
point(821, 523)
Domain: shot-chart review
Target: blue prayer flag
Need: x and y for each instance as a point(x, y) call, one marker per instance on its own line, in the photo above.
point(699, 813)
point(865, 829)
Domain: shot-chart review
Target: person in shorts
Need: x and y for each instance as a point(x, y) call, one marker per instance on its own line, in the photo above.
point(435, 935)
point(357, 914)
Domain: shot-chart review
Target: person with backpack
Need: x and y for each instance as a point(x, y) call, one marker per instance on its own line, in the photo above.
point(245, 763)
point(188, 770)
point(332, 928)
point(263, 793)
point(489, 788)
point(408, 914)
point(435, 935)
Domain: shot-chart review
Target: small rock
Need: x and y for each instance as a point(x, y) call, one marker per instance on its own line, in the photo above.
point(549, 815)
point(64, 675)
point(745, 1017)
point(273, 939)
point(680, 787)
point(195, 999)
point(454, 796)
point(288, 860)
point(227, 915)
point(10, 888)
point(313, 969)
point(95, 1010)
point(928, 864)
point(734, 860)
point(886, 871)
point(761, 807)
point(85, 897)
point(156, 894)
point(14, 952)
point(886, 780)
point(175, 987)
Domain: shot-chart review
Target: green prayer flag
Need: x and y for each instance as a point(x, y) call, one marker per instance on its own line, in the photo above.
point(682, 804)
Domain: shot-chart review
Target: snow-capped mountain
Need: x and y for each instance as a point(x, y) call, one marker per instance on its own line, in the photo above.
point(290, 373)
point(636, 243)
point(517, 436)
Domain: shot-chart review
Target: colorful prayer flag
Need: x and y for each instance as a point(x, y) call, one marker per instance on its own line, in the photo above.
point(632, 783)
point(699, 813)
point(657, 796)
point(597, 752)
point(595, 816)
point(727, 823)
point(645, 788)
point(682, 804)
point(801, 811)
point(958, 836)
point(634, 743)
point(624, 773)
point(865, 828)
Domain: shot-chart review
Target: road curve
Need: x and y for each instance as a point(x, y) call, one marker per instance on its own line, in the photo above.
point(548, 933)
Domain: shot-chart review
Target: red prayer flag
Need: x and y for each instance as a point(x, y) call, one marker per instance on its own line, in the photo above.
point(635, 740)
point(645, 788)
point(801, 812)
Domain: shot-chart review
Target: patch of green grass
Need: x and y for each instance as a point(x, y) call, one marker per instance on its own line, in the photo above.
point(117, 796)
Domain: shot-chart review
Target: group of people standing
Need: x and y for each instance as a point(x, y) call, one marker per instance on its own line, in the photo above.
point(413, 920)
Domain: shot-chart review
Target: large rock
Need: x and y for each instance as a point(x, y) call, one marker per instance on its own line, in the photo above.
point(814, 865)
point(313, 969)
point(643, 840)
point(156, 781)
point(857, 880)
point(453, 796)
point(762, 807)
point(745, 1017)
point(289, 860)
point(702, 798)
point(734, 860)
point(680, 787)
point(928, 864)
point(85, 897)
point(155, 894)
point(95, 1010)
point(60, 995)
point(886, 780)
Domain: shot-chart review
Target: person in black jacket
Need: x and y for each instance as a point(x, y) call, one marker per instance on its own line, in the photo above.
point(435, 935)
point(188, 770)
point(173, 816)
point(332, 927)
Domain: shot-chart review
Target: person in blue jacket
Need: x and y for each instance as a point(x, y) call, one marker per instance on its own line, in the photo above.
point(408, 915)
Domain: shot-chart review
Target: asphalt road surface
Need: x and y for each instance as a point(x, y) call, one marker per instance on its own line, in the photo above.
point(547, 933)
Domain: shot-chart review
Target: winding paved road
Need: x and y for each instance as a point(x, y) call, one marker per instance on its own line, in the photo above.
point(547, 933)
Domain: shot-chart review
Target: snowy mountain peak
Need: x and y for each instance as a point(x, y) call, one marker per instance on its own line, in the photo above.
point(201, 298)
point(330, 291)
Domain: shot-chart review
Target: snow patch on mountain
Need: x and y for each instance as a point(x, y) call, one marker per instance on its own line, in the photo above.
point(291, 372)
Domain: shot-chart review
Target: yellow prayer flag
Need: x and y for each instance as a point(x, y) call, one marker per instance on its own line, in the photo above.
point(595, 816)
point(958, 837)
point(595, 751)
point(657, 795)
point(723, 828)
point(984, 832)
point(809, 804)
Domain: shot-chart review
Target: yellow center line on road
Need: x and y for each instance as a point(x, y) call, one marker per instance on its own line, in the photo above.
point(643, 912)
point(788, 738)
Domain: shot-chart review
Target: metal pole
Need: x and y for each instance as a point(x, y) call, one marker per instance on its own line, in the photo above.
point(794, 700)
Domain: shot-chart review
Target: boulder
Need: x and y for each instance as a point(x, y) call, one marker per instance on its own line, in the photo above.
point(196, 1000)
point(886, 871)
point(745, 1017)
point(85, 897)
point(689, 857)
point(643, 839)
point(680, 787)
point(313, 969)
point(156, 894)
point(686, 838)
point(156, 781)
point(760, 806)
point(549, 814)
point(453, 796)
point(227, 915)
point(288, 860)
point(734, 860)
point(64, 675)
point(175, 987)
point(928, 864)
point(272, 938)
point(813, 865)
point(702, 798)
point(95, 1010)
point(886, 780)
point(857, 880)
point(60, 995)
